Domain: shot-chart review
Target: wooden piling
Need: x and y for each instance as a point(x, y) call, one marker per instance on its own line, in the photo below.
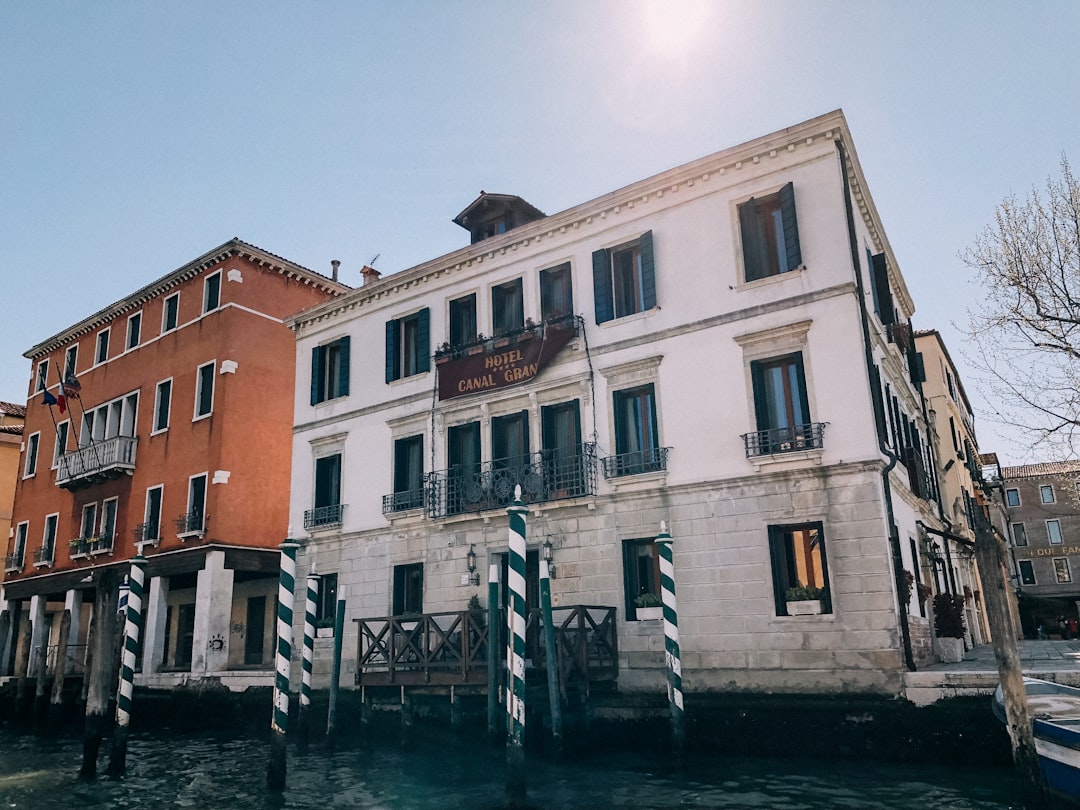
point(5, 633)
point(990, 554)
point(493, 715)
point(41, 680)
point(552, 660)
point(335, 676)
point(22, 665)
point(56, 699)
point(98, 676)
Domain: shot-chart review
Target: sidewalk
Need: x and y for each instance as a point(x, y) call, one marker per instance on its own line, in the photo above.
point(1044, 656)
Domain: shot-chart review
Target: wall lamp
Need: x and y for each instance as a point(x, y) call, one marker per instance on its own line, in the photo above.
point(548, 551)
point(470, 560)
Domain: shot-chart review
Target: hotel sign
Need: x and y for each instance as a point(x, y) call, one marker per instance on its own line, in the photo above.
point(1053, 551)
point(494, 366)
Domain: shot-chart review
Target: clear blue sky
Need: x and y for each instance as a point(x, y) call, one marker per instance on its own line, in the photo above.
point(136, 136)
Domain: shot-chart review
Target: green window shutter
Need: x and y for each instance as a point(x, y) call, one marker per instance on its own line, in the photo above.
point(602, 295)
point(316, 374)
point(883, 302)
point(800, 375)
point(423, 340)
point(648, 271)
point(343, 371)
point(879, 412)
point(753, 240)
point(918, 368)
point(791, 226)
point(761, 402)
point(392, 364)
point(619, 404)
point(778, 558)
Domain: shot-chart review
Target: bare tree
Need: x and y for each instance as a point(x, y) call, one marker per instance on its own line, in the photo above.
point(1026, 329)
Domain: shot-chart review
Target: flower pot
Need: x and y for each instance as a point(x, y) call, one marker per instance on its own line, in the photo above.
point(950, 650)
point(645, 614)
point(804, 607)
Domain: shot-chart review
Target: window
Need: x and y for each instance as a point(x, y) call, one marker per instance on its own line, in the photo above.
point(162, 405)
point(204, 390)
point(1019, 534)
point(641, 572)
point(781, 407)
point(770, 234)
point(407, 342)
point(330, 371)
point(42, 376)
point(48, 539)
point(564, 465)
point(1046, 493)
point(89, 521)
point(326, 605)
point(463, 320)
point(918, 576)
point(108, 520)
point(326, 510)
point(170, 313)
point(212, 292)
point(1027, 572)
point(556, 292)
point(879, 287)
point(18, 550)
point(624, 279)
point(464, 489)
point(194, 520)
point(1053, 532)
point(507, 307)
point(637, 441)
point(798, 558)
point(109, 420)
point(134, 330)
point(408, 589)
point(60, 448)
point(510, 440)
point(71, 357)
point(152, 514)
point(101, 353)
point(30, 467)
point(1061, 569)
point(408, 473)
point(1012, 497)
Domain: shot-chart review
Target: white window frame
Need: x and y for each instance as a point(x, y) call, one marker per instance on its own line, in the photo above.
point(101, 340)
point(155, 427)
point(1023, 530)
point(196, 416)
point(1020, 572)
point(41, 377)
point(1061, 565)
point(60, 446)
point(1043, 488)
point(54, 520)
point(71, 360)
point(128, 345)
point(206, 494)
point(161, 511)
point(1049, 534)
point(93, 524)
point(30, 463)
point(1018, 503)
point(115, 502)
point(206, 308)
point(165, 313)
point(108, 420)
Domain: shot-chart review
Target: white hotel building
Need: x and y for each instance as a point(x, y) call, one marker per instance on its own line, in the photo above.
point(737, 362)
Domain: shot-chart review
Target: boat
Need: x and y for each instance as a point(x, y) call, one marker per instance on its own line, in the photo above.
point(1055, 721)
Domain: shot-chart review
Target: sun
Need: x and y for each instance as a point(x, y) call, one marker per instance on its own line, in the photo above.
point(674, 26)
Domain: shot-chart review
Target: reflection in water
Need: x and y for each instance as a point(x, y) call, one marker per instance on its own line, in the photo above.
point(212, 771)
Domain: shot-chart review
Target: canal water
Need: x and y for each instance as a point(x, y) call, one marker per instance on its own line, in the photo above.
point(170, 770)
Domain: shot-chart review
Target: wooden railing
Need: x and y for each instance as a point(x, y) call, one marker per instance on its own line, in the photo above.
point(451, 648)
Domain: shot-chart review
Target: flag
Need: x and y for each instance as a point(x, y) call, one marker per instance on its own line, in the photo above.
point(62, 402)
point(72, 386)
point(50, 400)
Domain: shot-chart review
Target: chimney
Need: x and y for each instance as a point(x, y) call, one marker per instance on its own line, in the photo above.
point(334, 264)
point(370, 274)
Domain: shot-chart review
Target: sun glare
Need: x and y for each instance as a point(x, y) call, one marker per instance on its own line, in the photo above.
point(674, 26)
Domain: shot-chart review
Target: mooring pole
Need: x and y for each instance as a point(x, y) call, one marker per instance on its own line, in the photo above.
point(335, 675)
point(672, 653)
point(554, 698)
point(990, 555)
point(493, 715)
point(279, 723)
point(310, 604)
point(22, 662)
point(515, 702)
point(99, 674)
point(56, 698)
point(132, 637)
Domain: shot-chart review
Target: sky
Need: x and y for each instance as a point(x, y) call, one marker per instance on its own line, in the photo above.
point(134, 137)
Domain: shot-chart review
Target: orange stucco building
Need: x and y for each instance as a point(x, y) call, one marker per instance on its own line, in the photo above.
point(163, 420)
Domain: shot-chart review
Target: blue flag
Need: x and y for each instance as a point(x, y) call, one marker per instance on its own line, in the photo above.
point(49, 399)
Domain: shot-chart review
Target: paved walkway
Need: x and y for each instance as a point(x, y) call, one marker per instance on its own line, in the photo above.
point(1044, 656)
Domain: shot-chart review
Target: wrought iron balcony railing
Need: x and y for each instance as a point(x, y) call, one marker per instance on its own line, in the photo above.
point(146, 533)
point(108, 458)
point(543, 476)
point(784, 440)
point(43, 556)
point(453, 352)
point(324, 517)
point(403, 501)
point(637, 462)
point(190, 523)
point(13, 562)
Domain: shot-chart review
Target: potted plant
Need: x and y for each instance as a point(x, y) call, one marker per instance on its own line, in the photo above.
point(949, 627)
point(648, 607)
point(803, 600)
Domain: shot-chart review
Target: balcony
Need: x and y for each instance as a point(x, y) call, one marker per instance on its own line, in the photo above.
point(13, 563)
point(324, 517)
point(191, 524)
point(83, 547)
point(509, 338)
point(100, 461)
point(784, 440)
point(403, 501)
point(542, 477)
point(146, 534)
point(43, 557)
point(636, 463)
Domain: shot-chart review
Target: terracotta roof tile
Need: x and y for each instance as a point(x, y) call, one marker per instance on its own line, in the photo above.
point(11, 409)
point(13, 430)
point(1036, 470)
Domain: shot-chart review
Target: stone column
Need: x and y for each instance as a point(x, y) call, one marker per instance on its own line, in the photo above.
point(213, 616)
point(157, 611)
point(39, 642)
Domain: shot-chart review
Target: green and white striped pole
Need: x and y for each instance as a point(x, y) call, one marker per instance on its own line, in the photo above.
point(671, 638)
point(132, 633)
point(275, 775)
point(308, 656)
point(515, 703)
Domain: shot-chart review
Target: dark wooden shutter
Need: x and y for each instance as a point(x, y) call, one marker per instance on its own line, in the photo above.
point(883, 303)
point(343, 370)
point(316, 373)
point(753, 241)
point(761, 402)
point(602, 295)
point(423, 340)
point(648, 271)
point(392, 364)
point(619, 403)
point(879, 408)
point(918, 368)
point(791, 226)
point(800, 375)
point(778, 558)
